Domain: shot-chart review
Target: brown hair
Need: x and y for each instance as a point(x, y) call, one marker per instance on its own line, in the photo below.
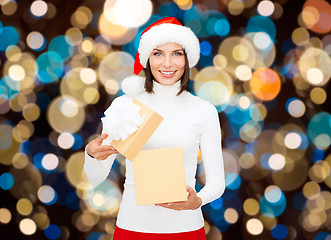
point(184, 79)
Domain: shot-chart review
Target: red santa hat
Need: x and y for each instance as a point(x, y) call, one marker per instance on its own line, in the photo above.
point(163, 31)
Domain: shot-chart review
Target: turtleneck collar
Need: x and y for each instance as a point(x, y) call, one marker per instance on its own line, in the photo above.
point(166, 91)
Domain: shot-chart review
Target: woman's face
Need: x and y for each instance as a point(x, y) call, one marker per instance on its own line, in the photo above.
point(167, 63)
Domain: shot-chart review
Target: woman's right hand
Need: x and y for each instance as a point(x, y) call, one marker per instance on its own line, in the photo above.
point(98, 151)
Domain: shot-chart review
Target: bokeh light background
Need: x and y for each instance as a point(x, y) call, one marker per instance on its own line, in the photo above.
point(265, 65)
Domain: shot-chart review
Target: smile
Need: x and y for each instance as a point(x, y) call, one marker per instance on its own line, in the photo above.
point(167, 72)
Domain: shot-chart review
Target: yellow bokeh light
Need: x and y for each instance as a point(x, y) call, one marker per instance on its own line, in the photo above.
point(81, 17)
point(31, 112)
point(244, 102)
point(16, 72)
point(240, 53)
point(231, 215)
point(310, 16)
point(5, 215)
point(112, 86)
point(314, 65)
point(115, 66)
point(292, 140)
point(251, 206)
point(42, 220)
point(243, 72)
point(9, 8)
point(20, 160)
point(91, 95)
point(27, 226)
point(311, 190)
point(220, 61)
point(74, 169)
point(118, 34)
point(75, 35)
point(247, 161)
point(24, 206)
point(69, 110)
point(318, 95)
point(300, 36)
point(254, 226)
point(13, 53)
point(236, 7)
point(319, 171)
point(277, 161)
point(128, 13)
point(87, 46)
point(88, 75)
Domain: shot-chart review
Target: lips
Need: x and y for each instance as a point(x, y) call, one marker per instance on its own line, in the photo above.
point(167, 74)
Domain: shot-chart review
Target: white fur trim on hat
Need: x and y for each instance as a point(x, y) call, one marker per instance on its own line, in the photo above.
point(165, 33)
point(133, 85)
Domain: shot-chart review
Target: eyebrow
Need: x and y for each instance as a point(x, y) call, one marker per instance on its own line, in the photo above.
point(177, 50)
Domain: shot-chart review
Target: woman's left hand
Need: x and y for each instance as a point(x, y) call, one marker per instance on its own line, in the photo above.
point(193, 202)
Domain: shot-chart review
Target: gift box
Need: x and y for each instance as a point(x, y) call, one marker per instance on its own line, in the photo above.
point(131, 146)
point(159, 176)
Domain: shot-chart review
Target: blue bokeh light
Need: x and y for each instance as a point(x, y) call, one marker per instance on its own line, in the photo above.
point(262, 24)
point(322, 236)
point(94, 236)
point(273, 209)
point(63, 46)
point(78, 142)
point(279, 231)
point(53, 231)
point(6, 181)
point(50, 67)
point(217, 203)
point(205, 48)
point(222, 27)
point(233, 181)
point(8, 36)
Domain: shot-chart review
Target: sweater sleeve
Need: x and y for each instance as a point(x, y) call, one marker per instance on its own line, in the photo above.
point(211, 151)
point(98, 170)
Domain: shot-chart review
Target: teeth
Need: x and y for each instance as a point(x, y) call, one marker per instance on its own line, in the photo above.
point(168, 73)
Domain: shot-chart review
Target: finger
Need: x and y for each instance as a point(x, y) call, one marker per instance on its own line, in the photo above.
point(104, 148)
point(190, 190)
point(104, 155)
point(101, 138)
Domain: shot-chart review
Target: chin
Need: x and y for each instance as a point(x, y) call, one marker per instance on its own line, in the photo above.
point(167, 82)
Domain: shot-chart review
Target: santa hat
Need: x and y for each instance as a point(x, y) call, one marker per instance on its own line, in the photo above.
point(163, 31)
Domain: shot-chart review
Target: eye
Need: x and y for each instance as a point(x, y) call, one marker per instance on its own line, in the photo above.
point(157, 54)
point(178, 53)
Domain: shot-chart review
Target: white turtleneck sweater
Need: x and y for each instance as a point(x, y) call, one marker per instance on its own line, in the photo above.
point(189, 122)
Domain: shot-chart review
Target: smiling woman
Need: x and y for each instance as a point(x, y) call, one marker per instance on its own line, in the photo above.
point(167, 63)
point(166, 52)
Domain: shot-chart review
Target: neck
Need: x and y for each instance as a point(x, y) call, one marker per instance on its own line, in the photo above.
point(166, 91)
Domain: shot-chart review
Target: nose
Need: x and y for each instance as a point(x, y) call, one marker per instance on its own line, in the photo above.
point(167, 61)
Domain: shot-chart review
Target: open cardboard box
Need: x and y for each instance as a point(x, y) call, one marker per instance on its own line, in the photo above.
point(159, 176)
point(131, 146)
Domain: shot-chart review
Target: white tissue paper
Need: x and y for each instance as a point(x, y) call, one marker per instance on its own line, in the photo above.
point(121, 121)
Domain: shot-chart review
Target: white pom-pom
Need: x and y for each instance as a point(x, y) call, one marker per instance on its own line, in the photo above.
point(133, 85)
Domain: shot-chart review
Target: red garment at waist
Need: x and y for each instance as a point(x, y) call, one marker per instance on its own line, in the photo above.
point(122, 234)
